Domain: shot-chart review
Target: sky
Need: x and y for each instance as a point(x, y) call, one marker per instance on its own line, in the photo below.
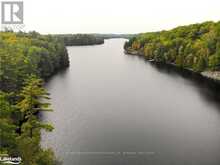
point(115, 16)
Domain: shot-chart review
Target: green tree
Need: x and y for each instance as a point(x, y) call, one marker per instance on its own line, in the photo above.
point(32, 96)
point(214, 61)
point(201, 65)
point(7, 127)
point(22, 96)
point(193, 47)
point(31, 102)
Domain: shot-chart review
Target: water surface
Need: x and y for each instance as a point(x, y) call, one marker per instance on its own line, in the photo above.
point(116, 109)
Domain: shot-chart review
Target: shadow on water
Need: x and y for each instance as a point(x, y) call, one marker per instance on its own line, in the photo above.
point(208, 88)
point(60, 73)
point(103, 110)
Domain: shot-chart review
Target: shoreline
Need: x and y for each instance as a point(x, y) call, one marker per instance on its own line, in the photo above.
point(211, 75)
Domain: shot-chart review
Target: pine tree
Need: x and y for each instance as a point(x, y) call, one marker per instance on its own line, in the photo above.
point(32, 97)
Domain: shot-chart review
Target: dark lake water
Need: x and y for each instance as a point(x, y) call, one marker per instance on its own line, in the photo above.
point(117, 109)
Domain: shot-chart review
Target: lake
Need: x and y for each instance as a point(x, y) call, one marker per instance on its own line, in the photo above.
point(117, 109)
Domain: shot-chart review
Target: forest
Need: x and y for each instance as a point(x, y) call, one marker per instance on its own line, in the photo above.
point(195, 47)
point(26, 61)
point(79, 39)
point(110, 36)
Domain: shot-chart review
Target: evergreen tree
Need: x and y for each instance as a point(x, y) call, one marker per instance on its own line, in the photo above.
point(32, 96)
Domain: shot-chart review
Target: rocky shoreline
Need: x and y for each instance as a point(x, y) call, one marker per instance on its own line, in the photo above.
point(213, 75)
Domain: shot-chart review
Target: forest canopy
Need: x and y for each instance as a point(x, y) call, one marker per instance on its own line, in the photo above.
point(195, 47)
point(79, 39)
point(88, 39)
point(26, 59)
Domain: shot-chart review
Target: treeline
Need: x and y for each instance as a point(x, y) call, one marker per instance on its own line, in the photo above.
point(195, 47)
point(79, 39)
point(26, 59)
point(88, 39)
point(110, 36)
